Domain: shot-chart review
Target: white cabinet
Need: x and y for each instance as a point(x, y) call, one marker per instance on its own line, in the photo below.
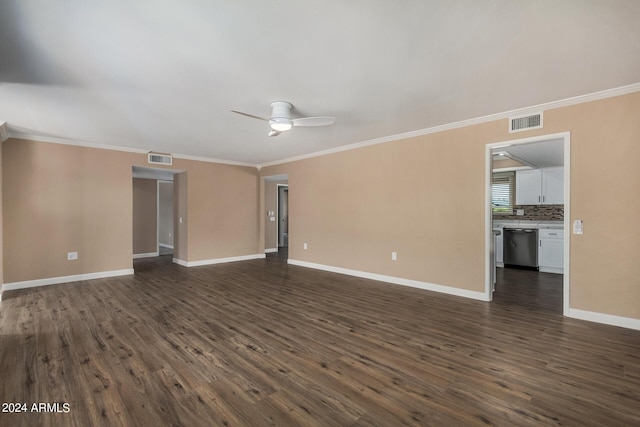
point(551, 251)
point(553, 186)
point(540, 186)
point(529, 187)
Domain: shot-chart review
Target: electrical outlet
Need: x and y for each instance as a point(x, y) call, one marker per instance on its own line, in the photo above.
point(305, 246)
point(72, 256)
point(394, 256)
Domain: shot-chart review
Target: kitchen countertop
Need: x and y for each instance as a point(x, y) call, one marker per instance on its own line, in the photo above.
point(554, 225)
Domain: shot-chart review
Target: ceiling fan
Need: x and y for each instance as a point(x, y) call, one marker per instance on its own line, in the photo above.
point(281, 121)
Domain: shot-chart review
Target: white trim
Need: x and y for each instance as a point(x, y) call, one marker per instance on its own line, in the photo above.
point(566, 282)
point(609, 93)
point(146, 255)
point(566, 137)
point(164, 245)
point(65, 279)
point(394, 280)
point(62, 141)
point(270, 250)
point(607, 319)
point(38, 138)
point(218, 260)
point(212, 160)
point(555, 270)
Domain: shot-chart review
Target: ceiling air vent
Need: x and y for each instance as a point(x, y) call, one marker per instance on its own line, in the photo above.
point(532, 121)
point(160, 159)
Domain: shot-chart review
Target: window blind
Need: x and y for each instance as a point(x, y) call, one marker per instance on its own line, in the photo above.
point(502, 192)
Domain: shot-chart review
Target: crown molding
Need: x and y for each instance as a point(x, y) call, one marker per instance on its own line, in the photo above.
point(212, 160)
point(62, 141)
point(609, 93)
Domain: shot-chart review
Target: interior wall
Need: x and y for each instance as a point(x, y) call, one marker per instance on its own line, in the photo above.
point(60, 199)
point(165, 213)
point(423, 197)
point(222, 210)
point(145, 216)
point(180, 216)
point(65, 198)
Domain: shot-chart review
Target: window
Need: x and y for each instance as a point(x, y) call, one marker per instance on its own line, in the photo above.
point(502, 192)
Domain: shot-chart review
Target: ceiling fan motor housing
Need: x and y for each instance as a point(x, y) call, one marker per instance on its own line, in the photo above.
point(281, 116)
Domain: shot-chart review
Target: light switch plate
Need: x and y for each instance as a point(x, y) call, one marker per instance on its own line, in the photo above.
point(577, 226)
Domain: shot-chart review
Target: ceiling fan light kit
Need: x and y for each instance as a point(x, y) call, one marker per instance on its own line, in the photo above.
point(281, 121)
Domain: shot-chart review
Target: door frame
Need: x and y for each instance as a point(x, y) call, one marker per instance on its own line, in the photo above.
point(566, 137)
point(278, 212)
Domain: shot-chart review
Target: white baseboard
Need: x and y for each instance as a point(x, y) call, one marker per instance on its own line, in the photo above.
point(395, 280)
point(147, 255)
point(270, 250)
point(64, 279)
point(164, 245)
point(554, 270)
point(217, 260)
point(607, 319)
point(180, 262)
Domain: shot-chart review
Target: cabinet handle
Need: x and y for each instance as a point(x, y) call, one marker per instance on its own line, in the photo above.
point(542, 199)
point(538, 199)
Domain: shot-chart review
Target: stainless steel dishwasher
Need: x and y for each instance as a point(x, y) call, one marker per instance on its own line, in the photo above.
point(521, 247)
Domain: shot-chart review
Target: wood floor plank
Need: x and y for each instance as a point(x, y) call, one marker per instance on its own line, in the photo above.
point(264, 343)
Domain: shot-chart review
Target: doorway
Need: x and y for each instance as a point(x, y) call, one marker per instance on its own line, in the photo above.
point(153, 207)
point(535, 154)
point(283, 216)
point(165, 217)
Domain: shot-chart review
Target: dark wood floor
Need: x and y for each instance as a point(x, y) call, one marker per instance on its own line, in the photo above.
point(263, 343)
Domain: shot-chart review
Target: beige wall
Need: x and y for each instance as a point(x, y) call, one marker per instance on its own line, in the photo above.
point(64, 198)
point(180, 243)
point(145, 203)
point(60, 199)
point(222, 210)
point(506, 163)
point(423, 197)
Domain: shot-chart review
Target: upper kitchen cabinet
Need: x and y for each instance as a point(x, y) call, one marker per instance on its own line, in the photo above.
point(544, 186)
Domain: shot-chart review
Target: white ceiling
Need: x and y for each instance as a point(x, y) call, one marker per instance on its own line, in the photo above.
point(542, 154)
point(161, 75)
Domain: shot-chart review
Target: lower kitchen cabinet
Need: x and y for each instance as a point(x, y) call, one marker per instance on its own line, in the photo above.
point(551, 251)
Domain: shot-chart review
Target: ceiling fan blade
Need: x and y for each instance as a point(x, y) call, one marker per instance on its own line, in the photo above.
point(274, 133)
point(249, 115)
point(314, 121)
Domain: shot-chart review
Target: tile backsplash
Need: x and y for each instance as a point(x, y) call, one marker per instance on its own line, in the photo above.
point(536, 213)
